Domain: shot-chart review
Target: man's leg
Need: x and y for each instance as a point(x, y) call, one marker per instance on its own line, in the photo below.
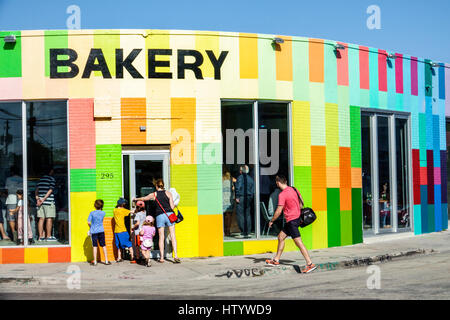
point(240, 215)
point(298, 241)
point(281, 237)
point(49, 225)
point(41, 228)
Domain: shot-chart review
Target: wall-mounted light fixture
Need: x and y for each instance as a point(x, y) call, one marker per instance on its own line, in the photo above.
point(142, 128)
point(435, 64)
point(277, 40)
point(10, 38)
point(339, 46)
point(392, 56)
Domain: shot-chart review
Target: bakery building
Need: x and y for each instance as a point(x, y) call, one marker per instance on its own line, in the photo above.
point(361, 132)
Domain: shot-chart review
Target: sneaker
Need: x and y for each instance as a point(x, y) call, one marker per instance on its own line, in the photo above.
point(272, 262)
point(132, 261)
point(309, 268)
point(51, 239)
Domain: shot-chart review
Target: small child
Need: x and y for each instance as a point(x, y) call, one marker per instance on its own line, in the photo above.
point(20, 222)
point(121, 236)
point(147, 232)
point(96, 231)
point(138, 220)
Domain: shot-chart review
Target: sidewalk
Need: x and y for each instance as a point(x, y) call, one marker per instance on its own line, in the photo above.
point(378, 249)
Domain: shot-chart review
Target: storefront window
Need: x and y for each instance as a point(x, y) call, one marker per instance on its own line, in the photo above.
point(238, 178)
point(366, 172)
point(273, 160)
point(250, 195)
point(11, 174)
point(384, 181)
point(47, 171)
point(403, 210)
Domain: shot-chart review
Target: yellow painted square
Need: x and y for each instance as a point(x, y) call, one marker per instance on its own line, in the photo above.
point(36, 255)
point(210, 235)
point(301, 133)
point(187, 233)
point(320, 231)
point(260, 246)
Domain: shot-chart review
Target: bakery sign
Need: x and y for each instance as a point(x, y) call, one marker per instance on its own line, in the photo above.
point(63, 63)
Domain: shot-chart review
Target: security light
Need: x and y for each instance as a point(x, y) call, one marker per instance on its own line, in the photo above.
point(10, 38)
point(392, 56)
point(339, 46)
point(278, 40)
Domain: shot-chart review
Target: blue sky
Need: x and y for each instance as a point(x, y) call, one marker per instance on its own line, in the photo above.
point(416, 27)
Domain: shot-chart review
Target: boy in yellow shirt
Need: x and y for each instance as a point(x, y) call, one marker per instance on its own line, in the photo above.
point(121, 236)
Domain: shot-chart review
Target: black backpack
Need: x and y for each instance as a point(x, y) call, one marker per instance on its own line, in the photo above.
point(307, 215)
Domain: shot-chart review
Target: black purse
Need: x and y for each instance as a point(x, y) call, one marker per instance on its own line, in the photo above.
point(307, 215)
point(179, 216)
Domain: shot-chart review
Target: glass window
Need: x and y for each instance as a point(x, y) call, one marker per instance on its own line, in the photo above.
point(273, 148)
point(366, 172)
point(238, 183)
point(384, 172)
point(47, 170)
point(11, 175)
point(403, 209)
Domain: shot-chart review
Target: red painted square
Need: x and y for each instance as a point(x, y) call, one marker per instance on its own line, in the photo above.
point(56, 255)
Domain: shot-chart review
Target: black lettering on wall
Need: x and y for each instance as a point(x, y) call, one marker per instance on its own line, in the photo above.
point(217, 63)
point(96, 54)
point(127, 63)
point(153, 63)
point(182, 65)
point(55, 63)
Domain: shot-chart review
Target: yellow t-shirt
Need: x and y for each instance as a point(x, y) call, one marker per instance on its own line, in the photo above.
point(119, 219)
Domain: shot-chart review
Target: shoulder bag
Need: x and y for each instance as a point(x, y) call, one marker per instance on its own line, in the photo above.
point(173, 217)
point(307, 215)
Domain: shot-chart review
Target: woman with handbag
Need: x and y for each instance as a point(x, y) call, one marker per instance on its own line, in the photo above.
point(165, 217)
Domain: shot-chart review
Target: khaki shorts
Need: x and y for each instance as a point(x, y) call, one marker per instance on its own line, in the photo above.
point(46, 211)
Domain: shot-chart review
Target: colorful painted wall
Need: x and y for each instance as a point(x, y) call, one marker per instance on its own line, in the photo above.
point(327, 90)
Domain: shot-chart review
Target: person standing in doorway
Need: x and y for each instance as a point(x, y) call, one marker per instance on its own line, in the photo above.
point(288, 202)
point(45, 202)
point(245, 189)
point(163, 209)
point(12, 184)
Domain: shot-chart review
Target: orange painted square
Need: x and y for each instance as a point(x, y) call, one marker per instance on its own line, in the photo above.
point(423, 176)
point(56, 255)
point(333, 177)
point(13, 255)
point(319, 199)
point(284, 60)
point(316, 60)
point(134, 115)
point(346, 199)
point(356, 177)
point(318, 167)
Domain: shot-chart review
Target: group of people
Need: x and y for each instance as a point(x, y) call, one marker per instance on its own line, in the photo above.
point(143, 227)
point(45, 210)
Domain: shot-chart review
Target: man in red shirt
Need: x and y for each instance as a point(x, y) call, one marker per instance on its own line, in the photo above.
point(288, 202)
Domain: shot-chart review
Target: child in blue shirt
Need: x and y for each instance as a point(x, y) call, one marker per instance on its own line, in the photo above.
point(96, 231)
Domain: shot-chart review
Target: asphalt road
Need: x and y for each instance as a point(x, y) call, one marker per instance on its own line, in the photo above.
point(419, 277)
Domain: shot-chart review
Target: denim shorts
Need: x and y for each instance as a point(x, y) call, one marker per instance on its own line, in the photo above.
point(163, 221)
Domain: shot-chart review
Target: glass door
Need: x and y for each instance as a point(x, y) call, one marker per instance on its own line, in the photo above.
point(141, 170)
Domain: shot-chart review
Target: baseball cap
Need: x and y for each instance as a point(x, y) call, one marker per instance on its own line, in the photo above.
point(121, 201)
point(140, 203)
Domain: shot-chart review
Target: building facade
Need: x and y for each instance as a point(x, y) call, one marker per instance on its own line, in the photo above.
point(361, 133)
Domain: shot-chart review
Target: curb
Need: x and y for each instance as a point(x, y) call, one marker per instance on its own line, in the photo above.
point(327, 266)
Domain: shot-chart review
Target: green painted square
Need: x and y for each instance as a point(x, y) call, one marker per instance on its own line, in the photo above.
point(109, 175)
point(108, 41)
point(235, 248)
point(346, 228)
point(11, 56)
point(302, 181)
point(54, 39)
point(333, 217)
point(357, 215)
point(355, 136)
point(83, 180)
point(209, 201)
point(365, 98)
point(266, 69)
point(300, 61)
point(431, 219)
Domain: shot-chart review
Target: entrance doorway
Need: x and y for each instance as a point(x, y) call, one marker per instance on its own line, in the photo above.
point(141, 169)
point(386, 175)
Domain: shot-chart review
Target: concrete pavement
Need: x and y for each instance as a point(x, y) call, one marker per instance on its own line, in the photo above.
point(213, 272)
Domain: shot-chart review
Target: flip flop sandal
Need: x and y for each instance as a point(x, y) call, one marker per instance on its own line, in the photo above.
point(176, 260)
point(107, 263)
point(160, 261)
point(94, 264)
point(120, 260)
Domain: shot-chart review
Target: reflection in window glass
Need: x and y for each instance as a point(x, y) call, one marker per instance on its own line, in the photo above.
point(403, 210)
point(383, 172)
point(238, 170)
point(11, 176)
point(366, 172)
point(47, 171)
point(274, 160)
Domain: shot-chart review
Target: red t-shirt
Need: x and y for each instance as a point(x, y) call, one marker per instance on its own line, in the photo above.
point(289, 200)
